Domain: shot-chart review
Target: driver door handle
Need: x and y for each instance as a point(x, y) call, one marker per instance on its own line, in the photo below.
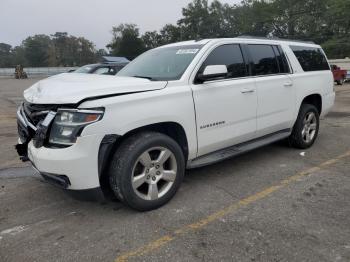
point(287, 84)
point(247, 90)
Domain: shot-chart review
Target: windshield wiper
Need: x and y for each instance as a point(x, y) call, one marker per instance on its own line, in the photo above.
point(145, 77)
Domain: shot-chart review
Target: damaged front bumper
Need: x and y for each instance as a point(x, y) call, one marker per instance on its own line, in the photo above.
point(28, 131)
point(74, 168)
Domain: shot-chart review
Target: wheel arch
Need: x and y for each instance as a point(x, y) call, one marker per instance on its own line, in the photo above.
point(313, 99)
point(111, 142)
point(171, 129)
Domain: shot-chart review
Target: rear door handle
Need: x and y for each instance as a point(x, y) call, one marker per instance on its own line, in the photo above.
point(287, 84)
point(247, 90)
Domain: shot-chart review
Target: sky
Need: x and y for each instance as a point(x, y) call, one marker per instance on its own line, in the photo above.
point(92, 19)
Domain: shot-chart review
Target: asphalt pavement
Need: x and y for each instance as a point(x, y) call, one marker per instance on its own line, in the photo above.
point(272, 204)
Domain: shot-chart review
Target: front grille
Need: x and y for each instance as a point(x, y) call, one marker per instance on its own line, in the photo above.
point(23, 132)
point(37, 112)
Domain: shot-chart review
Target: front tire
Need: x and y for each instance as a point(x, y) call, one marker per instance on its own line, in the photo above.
point(147, 170)
point(306, 127)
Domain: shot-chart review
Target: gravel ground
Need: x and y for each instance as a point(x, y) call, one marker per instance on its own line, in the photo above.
point(272, 204)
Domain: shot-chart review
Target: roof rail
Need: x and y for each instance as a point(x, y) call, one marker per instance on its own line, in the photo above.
point(274, 38)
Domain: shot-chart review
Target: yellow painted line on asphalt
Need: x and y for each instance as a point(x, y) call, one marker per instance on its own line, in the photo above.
point(156, 244)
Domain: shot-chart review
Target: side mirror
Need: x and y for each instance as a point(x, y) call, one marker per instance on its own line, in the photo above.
point(212, 72)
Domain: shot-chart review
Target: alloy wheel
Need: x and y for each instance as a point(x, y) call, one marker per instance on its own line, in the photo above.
point(154, 173)
point(310, 126)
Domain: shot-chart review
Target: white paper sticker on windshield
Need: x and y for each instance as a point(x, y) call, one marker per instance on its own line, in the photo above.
point(186, 51)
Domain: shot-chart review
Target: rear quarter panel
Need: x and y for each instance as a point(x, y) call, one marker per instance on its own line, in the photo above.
point(308, 83)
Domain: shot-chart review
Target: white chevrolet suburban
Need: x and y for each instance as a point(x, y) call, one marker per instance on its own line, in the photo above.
point(183, 105)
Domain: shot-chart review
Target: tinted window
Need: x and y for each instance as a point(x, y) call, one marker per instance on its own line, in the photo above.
point(310, 58)
point(281, 59)
point(118, 68)
point(264, 60)
point(229, 55)
point(105, 71)
point(84, 69)
point(101, 71)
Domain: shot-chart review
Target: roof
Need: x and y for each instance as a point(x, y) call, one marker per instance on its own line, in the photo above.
point(190, 42)
point(275, 39)
point(115, 59)
point(246, 39)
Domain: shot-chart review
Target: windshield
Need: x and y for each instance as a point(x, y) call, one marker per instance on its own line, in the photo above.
point(167, 63)
point(84, 69)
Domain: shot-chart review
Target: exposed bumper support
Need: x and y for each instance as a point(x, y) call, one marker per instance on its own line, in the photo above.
point(61, 181)
point(22, 151)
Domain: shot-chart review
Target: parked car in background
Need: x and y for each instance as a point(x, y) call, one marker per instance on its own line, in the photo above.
point(183, 105)
point(110, 65)
point(100, 69)
point(339, 74)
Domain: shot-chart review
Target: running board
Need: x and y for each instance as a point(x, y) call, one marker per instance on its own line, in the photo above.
point(235, 150)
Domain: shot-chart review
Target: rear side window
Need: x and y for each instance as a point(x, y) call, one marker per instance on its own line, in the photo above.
point(229, 55)
point(281, 59)
point(264, 60)
point(310, 58)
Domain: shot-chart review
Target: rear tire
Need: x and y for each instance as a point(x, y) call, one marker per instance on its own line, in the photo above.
point(306, 127)
point(147, 170)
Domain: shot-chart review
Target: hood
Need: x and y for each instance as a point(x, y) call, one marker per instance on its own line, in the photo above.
point(71, 88)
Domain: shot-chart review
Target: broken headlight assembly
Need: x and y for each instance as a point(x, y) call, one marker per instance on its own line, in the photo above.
point(69, 123)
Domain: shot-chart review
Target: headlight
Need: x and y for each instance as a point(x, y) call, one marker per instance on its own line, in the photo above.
point(69, 123)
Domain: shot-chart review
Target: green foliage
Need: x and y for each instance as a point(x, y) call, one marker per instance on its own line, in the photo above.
point(18, 57)
point(6, 55)
point(326, 22)
point(99, 54)
point(126, 41)
point(170, 34)
point(71, 50)
point(59, 49)
point(36, 50)
point(337, 48)
point(151, 39)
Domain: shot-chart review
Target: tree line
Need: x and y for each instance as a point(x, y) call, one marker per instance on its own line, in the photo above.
point(326, 22)
point(59, 49)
